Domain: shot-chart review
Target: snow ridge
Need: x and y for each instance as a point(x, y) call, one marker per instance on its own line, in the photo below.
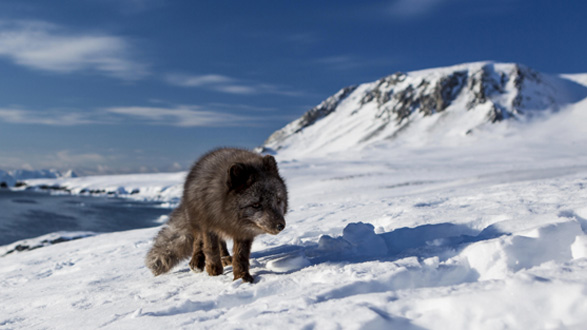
point(428, 105)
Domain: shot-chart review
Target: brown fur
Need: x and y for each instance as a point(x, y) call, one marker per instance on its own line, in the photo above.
point(229, 193)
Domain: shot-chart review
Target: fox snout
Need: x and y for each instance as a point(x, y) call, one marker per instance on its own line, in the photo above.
point(272, 223)
point(276, 226)
point(279, 226)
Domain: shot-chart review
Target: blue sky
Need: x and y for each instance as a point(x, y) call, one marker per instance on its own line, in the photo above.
point(114, 86)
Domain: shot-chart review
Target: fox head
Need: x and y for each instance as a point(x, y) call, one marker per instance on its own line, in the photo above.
point(260, 195)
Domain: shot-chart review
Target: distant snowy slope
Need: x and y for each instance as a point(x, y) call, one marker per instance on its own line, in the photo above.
point(165, 187)
point(422, 107)
point(10, 178)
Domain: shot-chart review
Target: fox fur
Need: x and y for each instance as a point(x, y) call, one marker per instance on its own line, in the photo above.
point(228, 194)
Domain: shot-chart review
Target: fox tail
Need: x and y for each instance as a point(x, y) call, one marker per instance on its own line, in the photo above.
point(173, 243)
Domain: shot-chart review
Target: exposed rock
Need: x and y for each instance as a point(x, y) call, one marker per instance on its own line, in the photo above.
point(322, 110)
point(385, 108)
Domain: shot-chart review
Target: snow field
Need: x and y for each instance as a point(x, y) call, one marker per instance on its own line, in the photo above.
point(415, 240)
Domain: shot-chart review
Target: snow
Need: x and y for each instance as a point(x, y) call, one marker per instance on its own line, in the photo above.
point(579, 78)
point(429, 107)
point(461, 238)
point(10, 178)
point(149, 187)
point(478, 232)
point(43, 241)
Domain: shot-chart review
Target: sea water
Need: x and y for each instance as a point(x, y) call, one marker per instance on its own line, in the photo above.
point(27, 214)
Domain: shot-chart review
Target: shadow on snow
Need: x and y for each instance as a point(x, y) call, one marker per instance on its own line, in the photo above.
point(360, 243)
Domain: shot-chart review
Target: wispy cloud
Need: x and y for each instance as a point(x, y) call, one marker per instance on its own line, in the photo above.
point(242, 107)
point(60, 159)
point(136, 6)
point(198, 81)
point(225, 84)
point(183, 116)
point(19, 116)
point(414, 8)
point(216, 82)
point(180, 116)
point(49, 47)
point(67, 157)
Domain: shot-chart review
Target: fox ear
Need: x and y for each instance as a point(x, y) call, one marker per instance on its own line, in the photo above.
point(270, 164)
point(239, 176)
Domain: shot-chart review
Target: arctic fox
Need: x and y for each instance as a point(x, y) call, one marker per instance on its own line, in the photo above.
point(228, 193)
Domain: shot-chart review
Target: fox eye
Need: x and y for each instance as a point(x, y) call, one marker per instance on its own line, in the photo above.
point(256, 205)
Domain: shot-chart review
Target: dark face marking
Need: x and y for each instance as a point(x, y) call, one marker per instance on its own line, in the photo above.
point(263, 205)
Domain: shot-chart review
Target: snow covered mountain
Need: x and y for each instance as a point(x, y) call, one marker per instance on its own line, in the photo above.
point(10, 178)
point(441, 105)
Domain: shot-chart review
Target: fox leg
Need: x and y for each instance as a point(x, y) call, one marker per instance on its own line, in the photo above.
point(224, 255)
point(240, 261)
point(212, 254)
point(198, 259)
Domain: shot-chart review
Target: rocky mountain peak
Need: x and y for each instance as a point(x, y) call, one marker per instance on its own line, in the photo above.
point(459, 98)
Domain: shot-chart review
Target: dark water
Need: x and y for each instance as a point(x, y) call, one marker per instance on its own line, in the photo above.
point(25, 214)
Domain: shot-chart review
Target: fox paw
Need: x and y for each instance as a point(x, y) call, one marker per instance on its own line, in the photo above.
point(195, 268)
point(214, 269)
point(197, 264)
point(245, 276)
point(226, 261)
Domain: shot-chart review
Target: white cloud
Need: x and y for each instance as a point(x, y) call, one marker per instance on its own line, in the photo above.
point(215, 82)
point(239, 89)
point(45, 46)
point(225, 84)
point(198, 81)
point(175, 167)
point(10, 161)
point(61, 159)
point(19, 116)
point(183, 116)
point(409, 9)
point(87, 162)
point(134, 6)
point(413, 8)
point(65, 157)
